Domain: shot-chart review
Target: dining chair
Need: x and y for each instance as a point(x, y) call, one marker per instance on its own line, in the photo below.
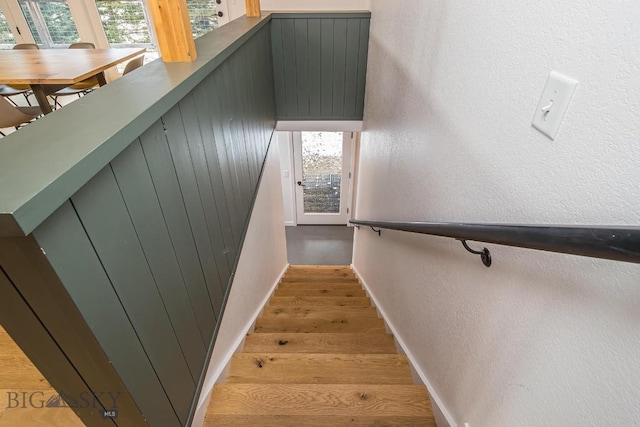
point(81, 88)
point(26, 46)
point(7, 90)
point(12, 116)
point(133, 64)
point(82, 45)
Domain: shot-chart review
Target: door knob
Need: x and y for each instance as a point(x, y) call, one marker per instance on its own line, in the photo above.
point(220, 14)
point(300, 184)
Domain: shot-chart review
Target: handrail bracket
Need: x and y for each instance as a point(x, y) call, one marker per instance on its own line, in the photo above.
point(485, 255)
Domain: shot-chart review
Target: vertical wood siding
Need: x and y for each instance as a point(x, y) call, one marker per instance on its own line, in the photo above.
point(154, 236)
point(320, 66)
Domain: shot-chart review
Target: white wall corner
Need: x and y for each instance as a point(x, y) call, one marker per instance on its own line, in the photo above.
point(219, 369)
point(442, 415)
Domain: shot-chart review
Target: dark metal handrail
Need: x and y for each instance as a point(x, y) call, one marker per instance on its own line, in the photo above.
point(619, 243)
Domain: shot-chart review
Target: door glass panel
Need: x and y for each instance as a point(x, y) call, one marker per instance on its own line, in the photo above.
point(321, 171)
point(50, 22)
point(202, 14)
point(6, 38)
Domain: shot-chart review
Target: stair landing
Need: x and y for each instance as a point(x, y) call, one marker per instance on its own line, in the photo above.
point(319, 356)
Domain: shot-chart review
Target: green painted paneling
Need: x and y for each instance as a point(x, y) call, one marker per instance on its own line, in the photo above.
point(315, 76)
point(204, 115)
point(138, 191)
point(363, 55)
point(74, 259)
point(181, 155)
point(45, 164)
point(18, 319)
point(319, 63)
point(158, 157)
point(327, 58)
point(157, 233)
point(201, 169)
point(106, 219)
point(301, 40)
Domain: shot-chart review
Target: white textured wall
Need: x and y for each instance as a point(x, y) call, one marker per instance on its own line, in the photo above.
point(237, 8)
point(314, 4)
point(263, 259)
point(538, 339)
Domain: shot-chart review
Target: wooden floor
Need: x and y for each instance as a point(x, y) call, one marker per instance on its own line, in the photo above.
point(319, 356)
point(18, 379)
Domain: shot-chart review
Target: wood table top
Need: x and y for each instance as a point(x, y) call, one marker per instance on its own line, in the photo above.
point(59, 66)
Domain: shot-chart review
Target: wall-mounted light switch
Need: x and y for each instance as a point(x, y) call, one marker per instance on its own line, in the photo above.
point(285, 173)
point(553, 104)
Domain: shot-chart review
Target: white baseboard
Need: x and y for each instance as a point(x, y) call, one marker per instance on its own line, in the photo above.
point(290, 224)
point(423, 377)
point(203, 402)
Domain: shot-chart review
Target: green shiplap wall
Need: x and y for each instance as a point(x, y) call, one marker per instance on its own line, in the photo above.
point(320, 65)
point(147, 248)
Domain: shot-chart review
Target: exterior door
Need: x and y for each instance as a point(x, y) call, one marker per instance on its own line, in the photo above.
point(323, 177)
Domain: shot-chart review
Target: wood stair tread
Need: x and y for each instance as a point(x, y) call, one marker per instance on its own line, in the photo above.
point(341, 324)
point(320, 343)
point(316, 421)
point(323, 278)
point(315, 268)
point(347, 293)
point(319, 356)
point(320, 285)
point(320, 301)
point(357, 400)
point(297, 368)
point(317, 312)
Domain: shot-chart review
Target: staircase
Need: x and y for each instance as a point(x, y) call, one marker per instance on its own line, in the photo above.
point(319, 356)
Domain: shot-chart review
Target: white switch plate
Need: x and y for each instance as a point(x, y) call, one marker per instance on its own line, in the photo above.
point(553, 104)
point(285, 173)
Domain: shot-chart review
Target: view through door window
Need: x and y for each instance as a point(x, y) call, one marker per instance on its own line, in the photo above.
point(6, 38)
point(322, 171)
point(203, 16)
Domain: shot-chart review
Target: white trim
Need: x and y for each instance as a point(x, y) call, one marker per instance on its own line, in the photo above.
point(222, 7)
point(406, 350)
point(290, 223)
point(319, 125)
point(215, 375)
point(342, 216)
point(292, 180)
point(352, 176)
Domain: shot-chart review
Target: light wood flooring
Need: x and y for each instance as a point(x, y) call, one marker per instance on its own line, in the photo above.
point(319, 356)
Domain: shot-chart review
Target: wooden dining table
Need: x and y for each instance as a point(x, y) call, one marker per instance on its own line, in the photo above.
point(49, 70)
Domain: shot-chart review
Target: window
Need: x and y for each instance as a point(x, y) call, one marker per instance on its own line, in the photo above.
point(125, 22)
point(50, 22)
point(6, 38)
